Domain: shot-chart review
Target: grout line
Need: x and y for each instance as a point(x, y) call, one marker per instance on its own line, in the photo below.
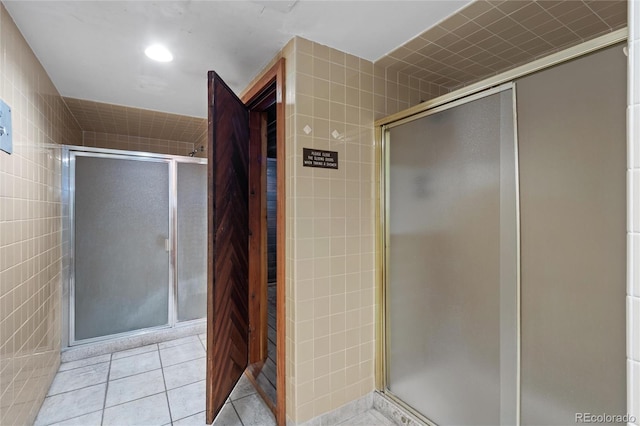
point(166, 392)
point(82, 366)
point(73, 390)
point(135, 354)
point(106, 390)
point(236, 410)
point(75, 417)
point(135, 399)
point(202, 343)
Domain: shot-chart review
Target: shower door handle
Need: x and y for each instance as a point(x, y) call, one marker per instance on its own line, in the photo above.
point(167, 246)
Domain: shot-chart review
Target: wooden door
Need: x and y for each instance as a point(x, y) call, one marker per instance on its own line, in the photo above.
point(228, 244)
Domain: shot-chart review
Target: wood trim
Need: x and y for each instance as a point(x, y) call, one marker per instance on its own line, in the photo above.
point(263, 394)
point(257, 239)
point(281, 413)
point(276, 74)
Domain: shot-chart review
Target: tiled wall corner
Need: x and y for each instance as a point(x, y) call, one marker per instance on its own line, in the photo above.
point(633, 202)
point(332, 249)
point(332, 99)
point(30, 228)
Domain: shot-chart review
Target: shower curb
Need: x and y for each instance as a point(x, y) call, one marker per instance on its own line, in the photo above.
point(150, 337)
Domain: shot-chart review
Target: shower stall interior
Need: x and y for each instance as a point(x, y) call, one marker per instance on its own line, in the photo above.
point(504, 212)
point(135, 242)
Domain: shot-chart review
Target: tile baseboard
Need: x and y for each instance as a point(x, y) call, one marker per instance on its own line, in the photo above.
point(393, 411)
point(374, 400)
point(75, 353)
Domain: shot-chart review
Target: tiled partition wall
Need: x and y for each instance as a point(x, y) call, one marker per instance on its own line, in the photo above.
point(633, 262)
point(30, 228)
point(333, 230)
point(332, 99)
point(134, 129)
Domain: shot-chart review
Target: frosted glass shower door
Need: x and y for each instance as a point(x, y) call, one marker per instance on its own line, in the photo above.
point(192, 241)
point(451, 277)
point(121, 213)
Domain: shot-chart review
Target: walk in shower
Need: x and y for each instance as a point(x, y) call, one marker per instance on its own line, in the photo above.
point(136, 242)
point(504, 273)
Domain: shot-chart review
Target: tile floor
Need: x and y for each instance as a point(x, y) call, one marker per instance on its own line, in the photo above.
point(159, 384)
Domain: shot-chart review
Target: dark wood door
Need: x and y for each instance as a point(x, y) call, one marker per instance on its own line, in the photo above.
point(228, 243)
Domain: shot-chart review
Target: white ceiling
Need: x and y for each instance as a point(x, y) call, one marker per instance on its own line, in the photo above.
point(95, 49)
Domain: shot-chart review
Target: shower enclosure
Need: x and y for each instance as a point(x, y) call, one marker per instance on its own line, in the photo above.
point(504, 273)
point(136, 239)
point(451, 264)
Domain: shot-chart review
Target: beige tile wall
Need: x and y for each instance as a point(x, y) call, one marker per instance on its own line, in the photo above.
point(488, 37)
point(137, 143)
point(30, 228)
point(123, 120)
point(135, 129)
point(330, 270)
point(333, 230)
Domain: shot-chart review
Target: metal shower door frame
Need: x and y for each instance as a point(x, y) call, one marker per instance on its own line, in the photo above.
point(384, 209)
point(69, 155)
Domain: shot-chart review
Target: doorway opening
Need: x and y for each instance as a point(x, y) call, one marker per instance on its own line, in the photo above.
point(246, 283)
point(266, 312)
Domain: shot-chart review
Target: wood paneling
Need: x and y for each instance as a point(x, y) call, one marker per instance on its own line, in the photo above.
point(228, 248)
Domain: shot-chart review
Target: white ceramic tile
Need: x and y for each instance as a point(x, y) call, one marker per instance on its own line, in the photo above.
point(151, 410)
point(634, 77)
point(633, 389)
point(65, 366)
point(633, 327)
point(185, 373)
point(369, 418)
point(198, 419)
point(634, 191)
point(253, 411)
point(135, 351)
point(227, 417)
point(134, 365)
point(187, 400)
point(348, 411)
point(181, 353)
point(91, 419)
point(633, 135)
point(203, 339)
point(634, 19)
point(134, 387)
point(631, 241)
point(392, 411)
point(178, 342)
point(380, 417)
point(71, 404)
point(79, 378)
point(242, 389)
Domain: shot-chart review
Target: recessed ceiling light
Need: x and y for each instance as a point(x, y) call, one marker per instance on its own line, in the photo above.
point(158, 53)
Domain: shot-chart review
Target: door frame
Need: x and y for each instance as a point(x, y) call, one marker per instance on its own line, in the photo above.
point(271, 83)
point(69, 155)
